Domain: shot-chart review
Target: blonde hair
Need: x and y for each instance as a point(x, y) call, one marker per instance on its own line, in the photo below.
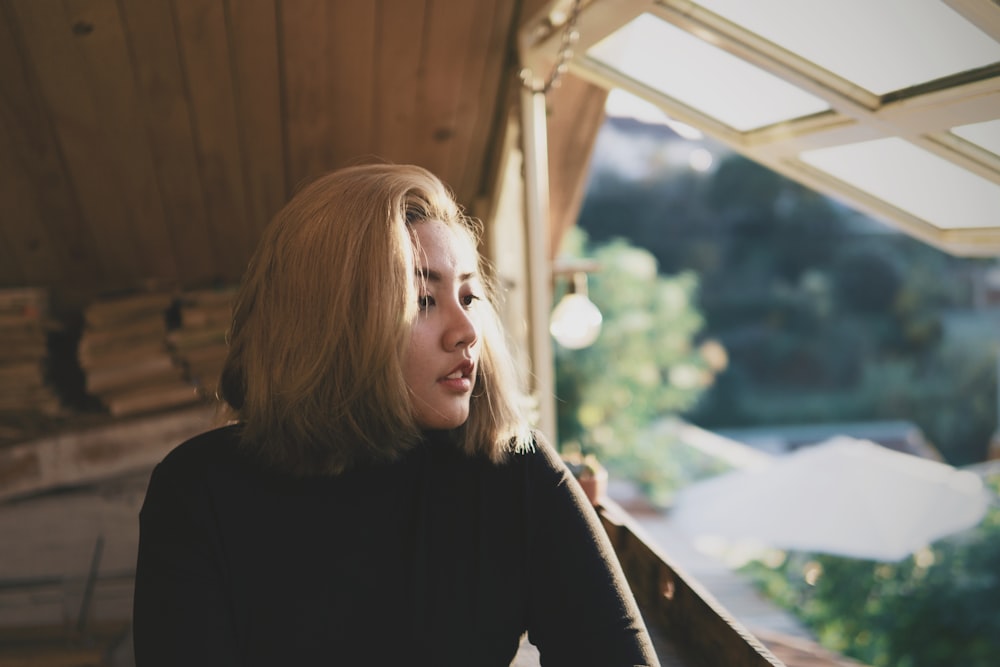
point(322, 320)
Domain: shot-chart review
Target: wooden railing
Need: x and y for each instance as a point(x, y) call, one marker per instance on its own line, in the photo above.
point(688, 625)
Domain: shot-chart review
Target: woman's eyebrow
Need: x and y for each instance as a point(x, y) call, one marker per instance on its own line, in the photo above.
point(434, 276)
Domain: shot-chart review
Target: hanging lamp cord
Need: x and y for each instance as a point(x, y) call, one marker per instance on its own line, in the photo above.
point(570, 36)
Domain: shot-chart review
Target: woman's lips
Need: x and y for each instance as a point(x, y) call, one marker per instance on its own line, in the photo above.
point(460, 378)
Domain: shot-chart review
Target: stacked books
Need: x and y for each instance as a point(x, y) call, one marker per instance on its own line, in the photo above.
point(24, 352)
point(199, 343)
point(124, 355)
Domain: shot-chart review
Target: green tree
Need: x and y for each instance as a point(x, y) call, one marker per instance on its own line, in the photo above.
point(645, 364)
point(826, 315)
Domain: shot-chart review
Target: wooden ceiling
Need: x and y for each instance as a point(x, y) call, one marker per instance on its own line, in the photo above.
point(151, 140)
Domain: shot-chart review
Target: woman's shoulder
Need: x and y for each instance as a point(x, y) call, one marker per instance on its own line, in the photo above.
point(538, 458)
point(547, 482)
point(191, 470)
point(219, 446)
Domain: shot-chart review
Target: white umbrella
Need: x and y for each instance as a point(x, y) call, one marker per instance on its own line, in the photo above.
point(844, 496)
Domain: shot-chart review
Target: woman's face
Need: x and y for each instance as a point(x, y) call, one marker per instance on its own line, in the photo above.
point(440, 363)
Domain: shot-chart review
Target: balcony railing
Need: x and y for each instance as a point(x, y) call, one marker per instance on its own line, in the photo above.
point(689, 627)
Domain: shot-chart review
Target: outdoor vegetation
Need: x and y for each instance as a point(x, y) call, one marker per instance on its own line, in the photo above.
point(824, 314)
point(644, 367)
point(937, 608)
point(733, 297)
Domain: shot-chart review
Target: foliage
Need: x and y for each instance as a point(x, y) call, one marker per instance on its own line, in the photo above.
point(937, 608)
point(825, 315)
point(644, 364)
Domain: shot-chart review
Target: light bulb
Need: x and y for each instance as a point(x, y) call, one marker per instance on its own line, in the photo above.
point(575, 322)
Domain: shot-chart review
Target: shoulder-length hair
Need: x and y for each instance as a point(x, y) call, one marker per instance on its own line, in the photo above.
point(322, 320)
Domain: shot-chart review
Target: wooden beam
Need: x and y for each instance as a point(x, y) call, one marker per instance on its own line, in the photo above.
point(79, 457)
point(575, 113)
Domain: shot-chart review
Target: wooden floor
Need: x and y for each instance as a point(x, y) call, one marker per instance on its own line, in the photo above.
point(49, 549)
point(66, 575)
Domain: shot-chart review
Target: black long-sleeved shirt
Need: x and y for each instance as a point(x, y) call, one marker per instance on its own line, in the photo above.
point(437, 559)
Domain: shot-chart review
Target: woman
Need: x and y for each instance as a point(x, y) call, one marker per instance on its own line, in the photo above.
point(379, 498)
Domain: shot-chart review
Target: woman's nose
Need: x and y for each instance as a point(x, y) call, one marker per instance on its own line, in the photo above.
point(462, 330)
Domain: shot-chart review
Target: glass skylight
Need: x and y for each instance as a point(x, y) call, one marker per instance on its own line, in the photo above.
point(879, 45)
point(914, 180)
point(985, 135)
point(701, 76)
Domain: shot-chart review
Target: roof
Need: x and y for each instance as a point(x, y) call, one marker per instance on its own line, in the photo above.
point(149, 141)
point(891, 106)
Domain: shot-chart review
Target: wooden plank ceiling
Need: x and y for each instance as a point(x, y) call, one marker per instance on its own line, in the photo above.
point(151, 140)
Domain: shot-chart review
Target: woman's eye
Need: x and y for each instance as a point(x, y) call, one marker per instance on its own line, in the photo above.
point(469, 299)
point(425, 302)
